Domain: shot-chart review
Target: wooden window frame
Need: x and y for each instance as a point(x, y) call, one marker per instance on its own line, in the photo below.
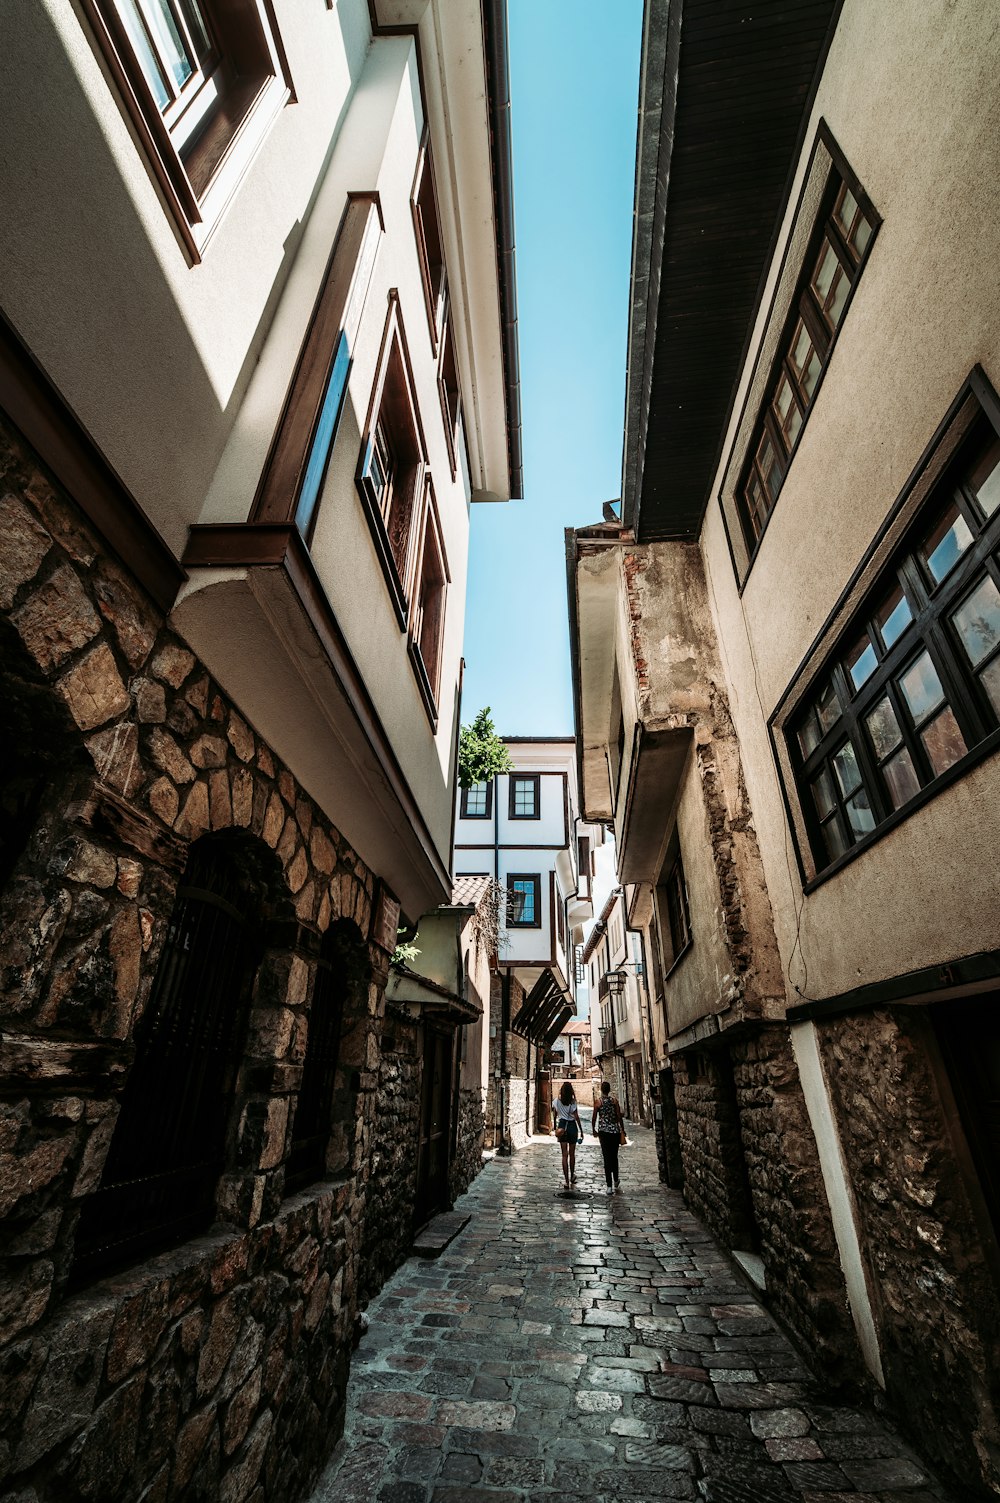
point(430, 554)
point(535, 879)
point(427, 232)
point(894, 558)
point(805, 310)
point(198, 179)
point(394, 407)
point(464, 808)
point(524, 777)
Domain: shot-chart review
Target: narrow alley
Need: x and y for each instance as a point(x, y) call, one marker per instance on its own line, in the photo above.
point(594, 1346)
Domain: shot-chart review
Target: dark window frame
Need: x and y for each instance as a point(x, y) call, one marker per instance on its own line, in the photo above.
point(803, 309)
point(535, 878)
point(513, 779)
point(928, 630)
point(425, 643)
point(394, 410)
point(464, 808)
point(312, 1116)
point(248, 72)
point(430, 249)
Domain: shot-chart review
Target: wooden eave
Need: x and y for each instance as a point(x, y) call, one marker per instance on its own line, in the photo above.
point(726, 91)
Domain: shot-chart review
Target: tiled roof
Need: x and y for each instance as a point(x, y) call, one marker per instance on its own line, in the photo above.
point(468, 891)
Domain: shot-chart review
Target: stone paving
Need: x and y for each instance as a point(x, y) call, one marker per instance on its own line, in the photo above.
point(597, 1346)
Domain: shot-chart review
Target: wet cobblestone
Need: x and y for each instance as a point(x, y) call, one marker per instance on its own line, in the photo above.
point(595, 1345)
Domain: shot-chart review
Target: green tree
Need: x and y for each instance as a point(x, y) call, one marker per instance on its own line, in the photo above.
point(481, 753)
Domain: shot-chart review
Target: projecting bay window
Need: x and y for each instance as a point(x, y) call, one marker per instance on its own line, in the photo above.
point(912, 692)
point(426, 640)
point(203, 81)
point(524, 901)
point(390, 477)
point(833, 264)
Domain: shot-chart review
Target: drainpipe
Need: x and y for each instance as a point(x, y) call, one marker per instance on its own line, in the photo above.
point(504, 1145)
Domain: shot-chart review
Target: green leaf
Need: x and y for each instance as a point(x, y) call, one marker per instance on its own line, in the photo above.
point(481, 753)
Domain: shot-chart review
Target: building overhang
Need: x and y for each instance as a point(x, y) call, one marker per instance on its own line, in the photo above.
point(544, 1012)
point(255, 612)
point(654, 779)
point(725, 95)
point(592, 575)
point(429, 998)
point(465, 84)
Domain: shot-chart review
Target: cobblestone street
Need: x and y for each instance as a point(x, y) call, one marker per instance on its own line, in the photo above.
point(594, 1346)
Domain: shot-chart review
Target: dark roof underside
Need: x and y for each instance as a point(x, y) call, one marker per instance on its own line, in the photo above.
point(744, 84)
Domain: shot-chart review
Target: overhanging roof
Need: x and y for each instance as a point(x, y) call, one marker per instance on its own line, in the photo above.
point(725, 92)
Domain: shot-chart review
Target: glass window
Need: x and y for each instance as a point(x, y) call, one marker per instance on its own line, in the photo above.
point(985, 479)
point(523, 905)
point(476, 801)
point(879, 731)
point(524, 797)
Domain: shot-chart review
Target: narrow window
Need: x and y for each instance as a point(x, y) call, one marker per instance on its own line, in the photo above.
point(524, 901)
point(427, 231)
point(832, 267)
point(391, 464)
point(428, 610)
point(477, 801)
point(203, 81)
point(311, 1127)
point(524, 795)
point(914, 686)
point(448, 389)
point(158, 1184)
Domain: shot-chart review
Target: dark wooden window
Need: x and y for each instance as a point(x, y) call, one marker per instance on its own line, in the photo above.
point(912, 693)
point(448, 388)
point(833, 264)
point(427, 231)
point(311, 1127)
point(524, 797)
point(524, 901)
point(390, 476)
point(477, 801)
point(560, 921)
point(678, 918)
point(202, 81)
point(427, 611)
point(158, 1184)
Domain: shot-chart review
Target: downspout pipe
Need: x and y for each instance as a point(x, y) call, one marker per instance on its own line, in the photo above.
point(495, 36)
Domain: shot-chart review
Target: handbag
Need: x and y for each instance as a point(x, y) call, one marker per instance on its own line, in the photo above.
point(561, 1134)
point(621, 1135)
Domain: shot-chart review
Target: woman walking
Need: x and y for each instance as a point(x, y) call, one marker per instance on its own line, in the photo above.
point(609, 1130)
point(569, 1129)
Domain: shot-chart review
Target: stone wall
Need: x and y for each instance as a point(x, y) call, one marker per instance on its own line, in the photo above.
point(468, 1160)
point(794, 1228)
point(934, 1296)
point(228, 1356)
point(716, 1186)
point(392, 1187)
point(516, 1056)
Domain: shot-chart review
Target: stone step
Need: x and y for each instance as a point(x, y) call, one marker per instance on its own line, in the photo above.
point(432, 1239)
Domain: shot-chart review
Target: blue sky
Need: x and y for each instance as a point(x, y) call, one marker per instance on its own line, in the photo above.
point(574, 96)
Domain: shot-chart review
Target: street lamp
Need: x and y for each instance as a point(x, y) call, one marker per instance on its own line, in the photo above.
point(616, 982)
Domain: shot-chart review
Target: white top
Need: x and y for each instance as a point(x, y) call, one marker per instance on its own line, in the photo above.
point(565, 1113)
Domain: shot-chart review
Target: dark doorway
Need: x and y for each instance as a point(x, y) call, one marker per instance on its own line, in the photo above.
point(435, 1124)
point(968, 1030)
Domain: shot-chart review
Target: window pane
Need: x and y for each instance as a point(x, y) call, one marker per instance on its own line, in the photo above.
point(145, 55)
point(943, 741)
point(861, 661)
point(833, 839)
point(524, 796)
point(524, 902)
point(883, 728)
point(475, 799)
point(893, 617)
point(901, 778)
point(809, 734)
point(845, 765)
point(822, 789)
point(757, 504)
point(946, 544)
point(978, 621)
point(985, 479)
point(769, 466)
point(921, 687)
point(835, 307)
point(170, 45)
point(860, 814)
point(990, 680)
point(828, 707)
point(805, 361)
point(787, 411)
point(826, 270)
point(847, 208)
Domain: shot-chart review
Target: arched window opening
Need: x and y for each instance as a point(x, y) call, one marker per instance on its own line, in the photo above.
point(342, 962)
point(158, 1185)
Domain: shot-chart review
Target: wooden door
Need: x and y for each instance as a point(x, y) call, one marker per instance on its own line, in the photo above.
point(435, 1125)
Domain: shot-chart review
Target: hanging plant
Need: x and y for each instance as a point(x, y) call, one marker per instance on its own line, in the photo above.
point(481, 753)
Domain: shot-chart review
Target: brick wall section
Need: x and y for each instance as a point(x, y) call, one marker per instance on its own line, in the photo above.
point(220, 1368)
point(715, 1184)
point(392, 1185)
point(795, 1230)
point(935, 1301)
